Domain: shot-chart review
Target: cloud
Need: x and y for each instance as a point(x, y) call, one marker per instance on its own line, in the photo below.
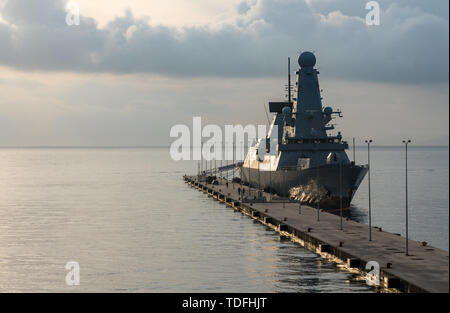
point(410, 45)
point(353, 7)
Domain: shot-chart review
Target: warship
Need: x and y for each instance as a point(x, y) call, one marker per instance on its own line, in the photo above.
point(310, 165)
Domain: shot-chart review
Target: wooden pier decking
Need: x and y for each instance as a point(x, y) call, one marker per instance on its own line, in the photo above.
point(425, 269)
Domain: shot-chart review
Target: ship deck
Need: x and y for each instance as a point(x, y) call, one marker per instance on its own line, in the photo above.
point(425, 269)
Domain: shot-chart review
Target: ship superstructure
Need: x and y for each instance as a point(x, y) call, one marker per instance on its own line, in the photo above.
point(310, 164)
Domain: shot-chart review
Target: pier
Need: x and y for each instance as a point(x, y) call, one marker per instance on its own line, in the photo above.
point(425, 269)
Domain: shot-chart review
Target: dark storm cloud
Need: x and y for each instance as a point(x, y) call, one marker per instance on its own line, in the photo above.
point(410, 45)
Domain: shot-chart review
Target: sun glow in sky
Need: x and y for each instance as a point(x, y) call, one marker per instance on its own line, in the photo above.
point(177, 13)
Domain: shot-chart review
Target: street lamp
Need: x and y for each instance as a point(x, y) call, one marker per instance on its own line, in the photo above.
point(370, 205)
point(201, 158)
point(317, 185)
point(406, 142)
point(318, 197)
point(300, 196)
point(340, 193)
point(232, 173)
point(285, 187)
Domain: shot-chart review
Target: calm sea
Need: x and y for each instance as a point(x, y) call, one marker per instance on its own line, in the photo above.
point(131, 223)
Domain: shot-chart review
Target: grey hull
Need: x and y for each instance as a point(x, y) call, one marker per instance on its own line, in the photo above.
point(311, 186)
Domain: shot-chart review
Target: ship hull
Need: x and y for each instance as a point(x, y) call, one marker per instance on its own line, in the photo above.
point(316, 186)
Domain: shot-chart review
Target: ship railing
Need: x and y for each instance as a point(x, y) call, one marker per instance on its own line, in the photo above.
point(222, 169)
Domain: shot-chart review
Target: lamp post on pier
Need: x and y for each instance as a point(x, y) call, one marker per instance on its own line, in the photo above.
point(300, 196)
point(201, 158)
point(232, 173)
point(340, 195)
point(317, 183)
point(370, 205)
point(406, 142)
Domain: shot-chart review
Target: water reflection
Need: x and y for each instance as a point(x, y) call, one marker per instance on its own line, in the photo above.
point(133, 225)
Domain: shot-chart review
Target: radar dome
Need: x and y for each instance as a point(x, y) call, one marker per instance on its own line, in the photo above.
point(328, 111)
point(307, 59)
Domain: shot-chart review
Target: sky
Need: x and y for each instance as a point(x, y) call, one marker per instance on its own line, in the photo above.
point(133, 69)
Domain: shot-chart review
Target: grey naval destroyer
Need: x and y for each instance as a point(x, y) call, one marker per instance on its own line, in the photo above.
point(310, 165)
